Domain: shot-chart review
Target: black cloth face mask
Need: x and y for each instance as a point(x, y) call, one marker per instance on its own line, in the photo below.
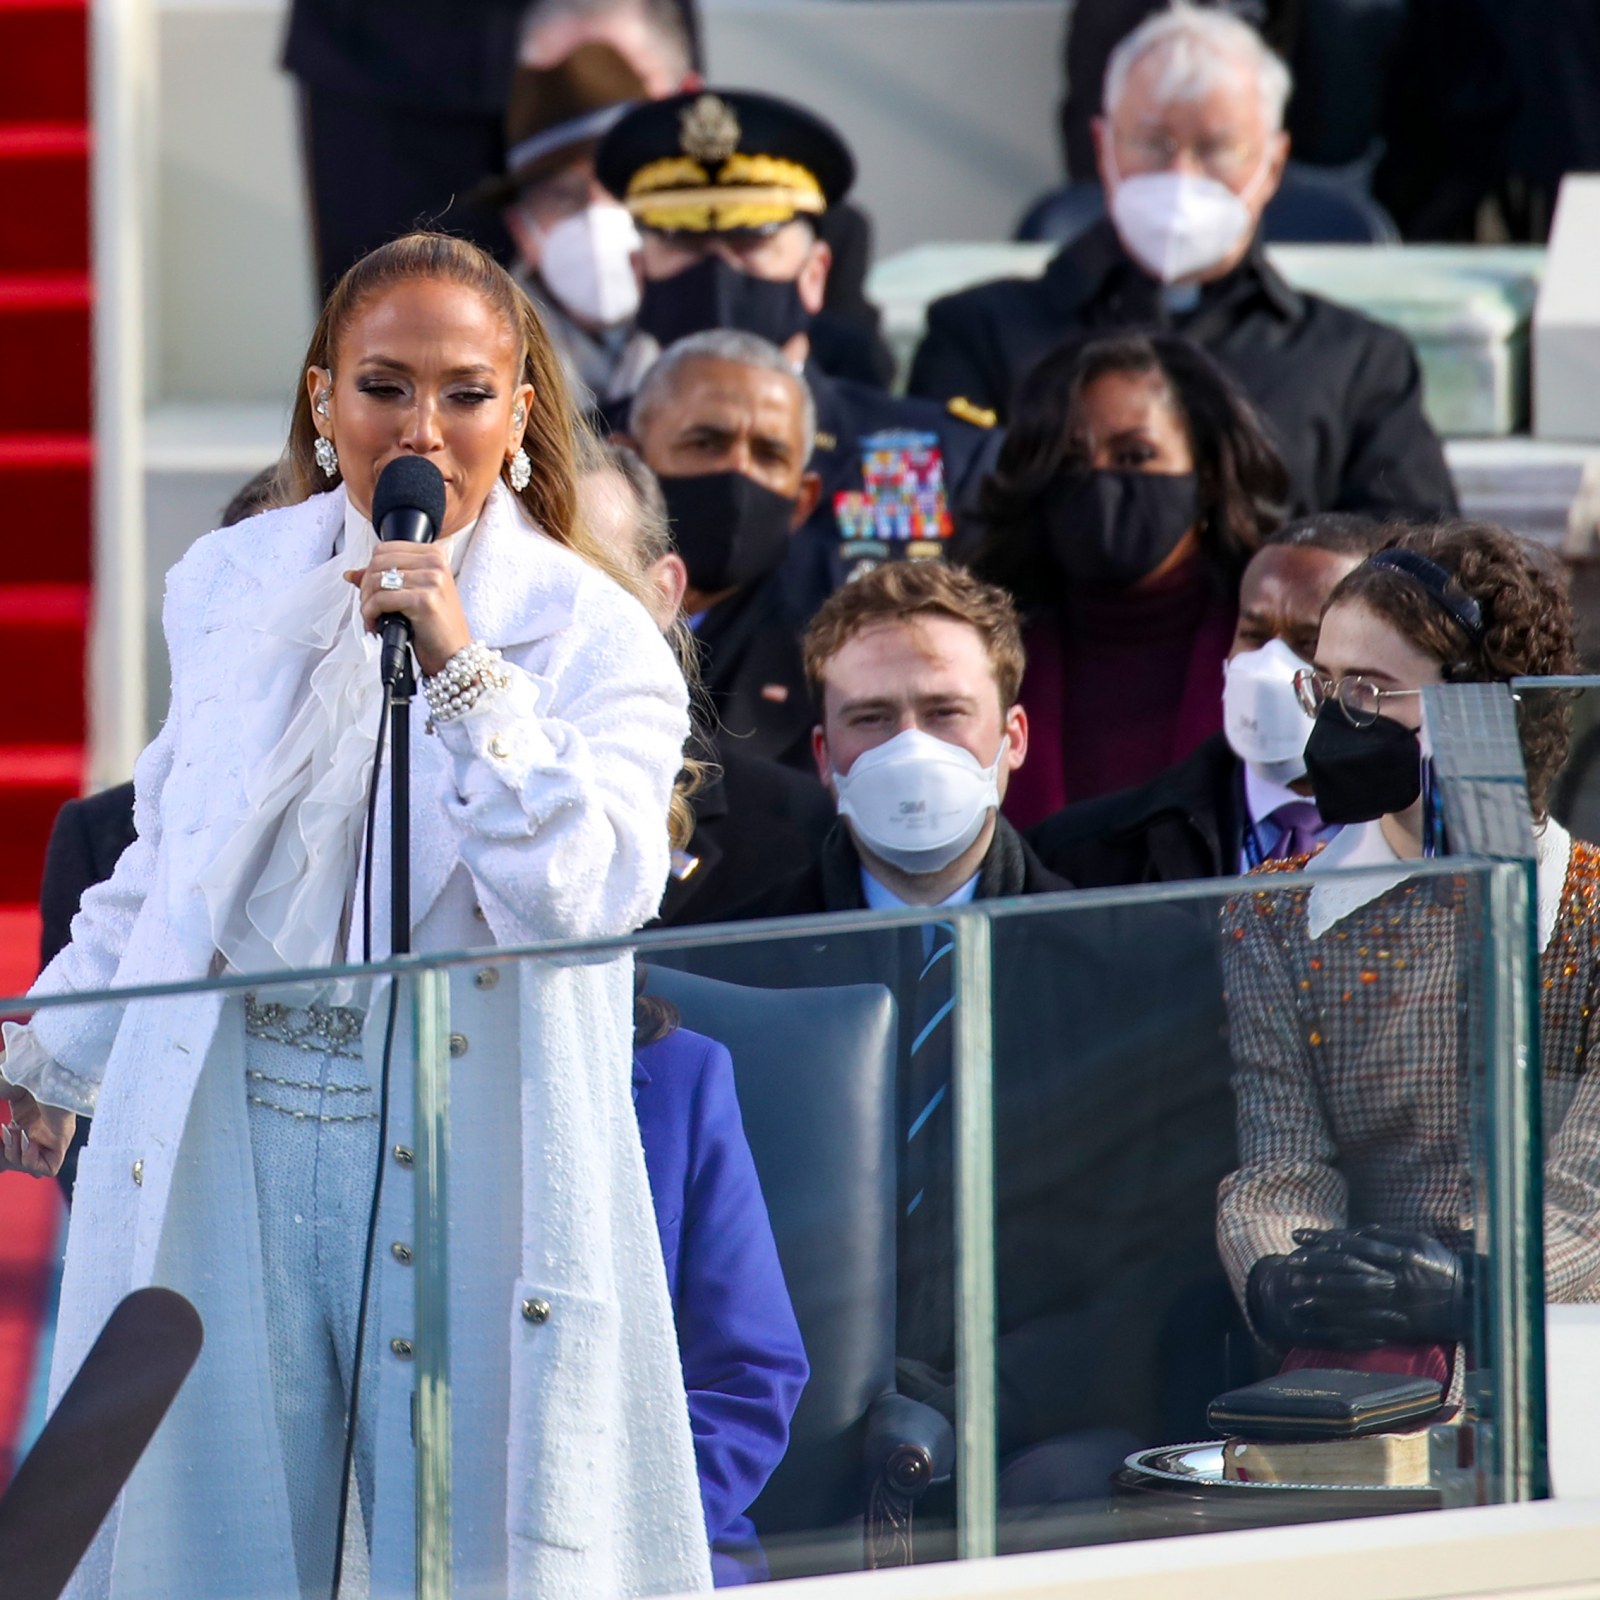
point(1107, 530)
point(711, 294)
point(1360, 774)
point(729, 529)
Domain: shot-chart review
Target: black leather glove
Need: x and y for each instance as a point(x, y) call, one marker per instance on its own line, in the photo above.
point(1281, 1302)
point(1379, 1285)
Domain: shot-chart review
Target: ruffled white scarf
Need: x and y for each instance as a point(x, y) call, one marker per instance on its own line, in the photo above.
point(279, 890)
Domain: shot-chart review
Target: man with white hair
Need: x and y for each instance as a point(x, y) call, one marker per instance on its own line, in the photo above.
point(1190, 149)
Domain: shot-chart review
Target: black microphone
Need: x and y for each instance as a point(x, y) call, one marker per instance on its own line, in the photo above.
point(407, 505)
point(70, 1479)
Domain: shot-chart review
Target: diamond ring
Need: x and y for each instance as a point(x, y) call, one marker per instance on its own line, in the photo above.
point(392, 578)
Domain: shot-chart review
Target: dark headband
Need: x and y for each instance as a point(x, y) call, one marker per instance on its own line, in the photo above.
point(1465, 611)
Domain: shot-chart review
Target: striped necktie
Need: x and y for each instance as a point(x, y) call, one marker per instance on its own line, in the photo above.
point(926, 1245)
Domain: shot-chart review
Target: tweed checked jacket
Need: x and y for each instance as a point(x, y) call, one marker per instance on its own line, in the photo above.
point(1350, 1045)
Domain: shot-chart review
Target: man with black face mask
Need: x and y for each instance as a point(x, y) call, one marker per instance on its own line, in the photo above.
point(727, 188)
point(725, 422)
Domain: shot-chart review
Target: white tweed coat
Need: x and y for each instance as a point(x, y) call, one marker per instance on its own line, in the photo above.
point(538, 815)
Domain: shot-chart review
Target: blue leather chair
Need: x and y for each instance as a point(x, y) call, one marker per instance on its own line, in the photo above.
point(815, 1074)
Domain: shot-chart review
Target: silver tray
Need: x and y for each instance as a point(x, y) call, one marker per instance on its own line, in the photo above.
point(1199, 1466)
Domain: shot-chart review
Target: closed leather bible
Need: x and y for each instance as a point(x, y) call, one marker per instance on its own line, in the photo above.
point(1322, 1403)
point(1375, 1460)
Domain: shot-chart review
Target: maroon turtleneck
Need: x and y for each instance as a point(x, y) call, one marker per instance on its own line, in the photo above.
point(1119, 686)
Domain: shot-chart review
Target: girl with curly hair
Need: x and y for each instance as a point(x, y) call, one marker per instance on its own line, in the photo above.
point(1133, 486)
point(1348, 1224)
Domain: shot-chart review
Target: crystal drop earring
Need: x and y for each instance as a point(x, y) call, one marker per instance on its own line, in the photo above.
point(520, 470)
point(327, 457)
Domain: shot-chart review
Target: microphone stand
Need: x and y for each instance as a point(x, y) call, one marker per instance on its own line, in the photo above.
point(401, 693)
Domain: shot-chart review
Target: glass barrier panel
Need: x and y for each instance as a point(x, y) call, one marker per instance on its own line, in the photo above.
point(236, 1134)
point(948, 1225)
point(1037, 1184)
point(1254, 1138)
point(793, 1089)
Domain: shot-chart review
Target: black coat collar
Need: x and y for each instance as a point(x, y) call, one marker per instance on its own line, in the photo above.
point(1204, 785)
point(1009, 868)
point(1094, 268)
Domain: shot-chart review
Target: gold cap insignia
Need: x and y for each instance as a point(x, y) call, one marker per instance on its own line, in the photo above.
point(708, 130)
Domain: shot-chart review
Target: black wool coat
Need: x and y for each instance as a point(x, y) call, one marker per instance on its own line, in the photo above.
point(752, 673)
point(1341, 394)
point(1187, 822)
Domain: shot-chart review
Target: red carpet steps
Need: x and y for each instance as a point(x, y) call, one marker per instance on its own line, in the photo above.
point(46, 457)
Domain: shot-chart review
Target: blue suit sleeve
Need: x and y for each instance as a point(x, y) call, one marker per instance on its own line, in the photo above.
point(743, 1362)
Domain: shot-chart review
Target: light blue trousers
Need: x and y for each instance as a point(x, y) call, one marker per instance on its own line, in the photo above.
point(314, 1136)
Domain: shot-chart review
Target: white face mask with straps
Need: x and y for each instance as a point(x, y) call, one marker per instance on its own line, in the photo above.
point(1178, 225)
point(917, 802)
point(586, 261)
point(1262, 717)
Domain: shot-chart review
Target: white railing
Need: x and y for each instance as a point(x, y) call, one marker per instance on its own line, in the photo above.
point(122, 65)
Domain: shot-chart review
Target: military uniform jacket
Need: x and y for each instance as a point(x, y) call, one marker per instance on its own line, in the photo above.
point(820, 560)
point(1342, 394)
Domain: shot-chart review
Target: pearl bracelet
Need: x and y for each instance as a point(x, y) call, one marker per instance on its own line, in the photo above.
point(463, 680)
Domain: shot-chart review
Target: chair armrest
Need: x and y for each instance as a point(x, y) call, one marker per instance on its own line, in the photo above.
point(908, 1445)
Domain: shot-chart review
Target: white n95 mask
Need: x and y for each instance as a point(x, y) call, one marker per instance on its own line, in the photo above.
point(917, 802)
point(586, 260)
point(1262, 717)
point(1177, 225)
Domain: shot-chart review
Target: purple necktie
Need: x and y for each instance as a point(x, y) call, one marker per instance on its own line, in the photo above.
point(1300, 823)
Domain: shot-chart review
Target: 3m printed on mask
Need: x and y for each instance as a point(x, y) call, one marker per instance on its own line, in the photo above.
point(916, 801)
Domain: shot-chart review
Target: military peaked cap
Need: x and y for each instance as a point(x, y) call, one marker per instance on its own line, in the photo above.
point(723, 160)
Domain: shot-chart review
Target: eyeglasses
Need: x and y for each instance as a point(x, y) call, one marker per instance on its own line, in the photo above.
point(1360, 699)
point(1222, 159)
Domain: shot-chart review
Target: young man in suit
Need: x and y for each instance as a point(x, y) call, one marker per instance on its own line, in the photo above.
point(1113, 1119)
point(915, 670)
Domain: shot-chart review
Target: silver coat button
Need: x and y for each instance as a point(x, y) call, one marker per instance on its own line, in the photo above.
point(403, 1154)
point(486, 977)
point(458, 1045)
point(536, 1310)
point(138, 1172)
point(402, 1348)
point(498, 747)
point(401, 1253)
